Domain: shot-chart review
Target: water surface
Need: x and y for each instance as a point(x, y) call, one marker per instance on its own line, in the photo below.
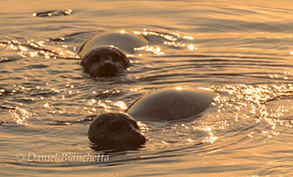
point(241, 50)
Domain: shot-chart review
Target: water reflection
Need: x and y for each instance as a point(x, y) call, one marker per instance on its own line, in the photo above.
point(258, 103)
point(55, 47)
point(155, 50)
point(20, 115)
point(36, 48)
point(239, 43)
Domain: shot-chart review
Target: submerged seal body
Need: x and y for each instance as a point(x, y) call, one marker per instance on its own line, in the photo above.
point(104, 53)
point(171, 104)
point(162, 105)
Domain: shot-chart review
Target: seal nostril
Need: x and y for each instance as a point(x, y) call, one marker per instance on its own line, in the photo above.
point(108, 64)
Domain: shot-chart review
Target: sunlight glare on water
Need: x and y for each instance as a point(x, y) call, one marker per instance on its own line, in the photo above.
point(241, 50)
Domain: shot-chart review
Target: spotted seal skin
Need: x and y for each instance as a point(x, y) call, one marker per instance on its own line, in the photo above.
point(120, 130)
point(117, 131)
point(105, 53)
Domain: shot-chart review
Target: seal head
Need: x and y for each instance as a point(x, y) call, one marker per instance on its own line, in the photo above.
point(117, 131)
point(104, 61)
point(104, 53)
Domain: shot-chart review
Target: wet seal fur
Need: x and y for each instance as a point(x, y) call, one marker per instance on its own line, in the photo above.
point(117, 131)
point(120, 130)
point(104, 61)
point(105, 53)
point(171, 104)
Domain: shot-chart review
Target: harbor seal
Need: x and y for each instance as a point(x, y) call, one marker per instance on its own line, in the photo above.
point(115, 131)
point(105, 53)
point(120, 131)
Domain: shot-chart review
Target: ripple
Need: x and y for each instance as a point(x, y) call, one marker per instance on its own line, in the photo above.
point(52, 13)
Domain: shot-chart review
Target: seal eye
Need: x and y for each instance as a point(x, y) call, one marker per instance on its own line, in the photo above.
point(134, 123)
point(116, 57)
point(116, 125)
point(99, 124)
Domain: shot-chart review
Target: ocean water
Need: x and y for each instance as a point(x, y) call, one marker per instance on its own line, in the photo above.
point(242, 50)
